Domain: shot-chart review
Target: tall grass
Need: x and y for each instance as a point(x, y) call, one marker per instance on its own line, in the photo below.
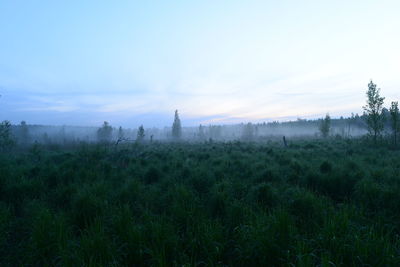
point(314, 203)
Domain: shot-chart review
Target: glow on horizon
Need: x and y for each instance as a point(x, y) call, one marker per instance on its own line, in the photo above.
point(134, 63)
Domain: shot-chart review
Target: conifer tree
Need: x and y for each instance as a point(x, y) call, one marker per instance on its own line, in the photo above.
point(176, 127)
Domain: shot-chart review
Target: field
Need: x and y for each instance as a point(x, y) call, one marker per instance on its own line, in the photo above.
point(316, 202)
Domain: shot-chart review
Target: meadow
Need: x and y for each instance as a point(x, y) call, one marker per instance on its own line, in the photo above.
point(332, 202)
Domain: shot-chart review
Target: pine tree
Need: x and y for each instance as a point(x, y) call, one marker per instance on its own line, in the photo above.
point(373, 111)
point(176, 127)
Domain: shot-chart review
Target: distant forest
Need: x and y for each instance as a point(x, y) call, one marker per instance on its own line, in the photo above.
point(345, 127)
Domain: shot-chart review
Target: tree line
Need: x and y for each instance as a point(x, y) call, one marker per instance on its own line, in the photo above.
point(375, 116)
point(375, 119)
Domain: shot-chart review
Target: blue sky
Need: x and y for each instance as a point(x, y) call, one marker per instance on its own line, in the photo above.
point(135, 62)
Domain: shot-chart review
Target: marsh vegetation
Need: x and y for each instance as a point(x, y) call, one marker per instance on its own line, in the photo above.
point(316, 202)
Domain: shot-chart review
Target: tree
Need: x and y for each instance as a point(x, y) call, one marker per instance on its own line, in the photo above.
point(395, 120)
point(23, 133)
point(350, 122)
point(248, 132)
point(373, 111)
point(6, 140)
point(214, 132)
point(176, 127)
point(104, 133)
point(140, 134)
point(325, 126)
point(202, 135)
point(121, 133)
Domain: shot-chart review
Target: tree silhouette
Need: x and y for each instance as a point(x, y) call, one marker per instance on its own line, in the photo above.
point(121, 133)
point(325, 126)
point(395, 120)
point(214, 132)
point(104, 133)
point(6, 140)
point(350, 122)
point(248, 132)
point(140, 134)
point(24, 133)
point(373, 111)
point(176, 127)
point(201, 134)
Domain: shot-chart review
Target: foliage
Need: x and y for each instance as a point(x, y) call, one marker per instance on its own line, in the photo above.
point(140, 134)
point(325, 126)
point(373, 109)
point(6, 140)
point(104, 134)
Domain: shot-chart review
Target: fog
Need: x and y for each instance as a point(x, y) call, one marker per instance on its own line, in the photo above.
point(257, 132)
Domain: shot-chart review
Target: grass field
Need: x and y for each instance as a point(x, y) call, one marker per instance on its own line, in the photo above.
point(324, 203)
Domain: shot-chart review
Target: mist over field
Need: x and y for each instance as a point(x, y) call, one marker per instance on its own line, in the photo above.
point(224, 133)
point(209, 133)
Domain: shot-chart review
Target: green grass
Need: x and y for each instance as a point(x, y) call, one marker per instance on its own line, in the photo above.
point(315, 203)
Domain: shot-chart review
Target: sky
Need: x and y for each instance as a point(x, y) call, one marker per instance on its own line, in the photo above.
point(216, 62)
